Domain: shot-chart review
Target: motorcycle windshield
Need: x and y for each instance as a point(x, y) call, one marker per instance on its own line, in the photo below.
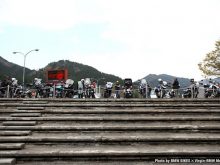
point(69, 82)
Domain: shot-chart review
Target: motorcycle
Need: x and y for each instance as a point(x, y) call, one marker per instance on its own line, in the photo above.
point(3, 90)
point(90, 92)
point(69, 88)
point(212, 91)
point(142, 88)
point(89, 89)
point(80, 89)
point(19, 91)
point(28, 92)
point(108, 90)
point(160, 91)
point(172, 93)
point(187, 93)
point(128, 92)
point(42, 90)
point(16, 91)
point(191, 92)
point(59, 90)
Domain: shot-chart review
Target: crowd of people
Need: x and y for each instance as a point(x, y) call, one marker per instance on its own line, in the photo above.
point(85, 88)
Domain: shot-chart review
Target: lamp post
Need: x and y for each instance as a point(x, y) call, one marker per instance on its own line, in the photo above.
point(25, 55)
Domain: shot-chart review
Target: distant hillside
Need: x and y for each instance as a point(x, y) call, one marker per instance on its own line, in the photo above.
point(76, 71)
point(152, 79)
point(12, 70)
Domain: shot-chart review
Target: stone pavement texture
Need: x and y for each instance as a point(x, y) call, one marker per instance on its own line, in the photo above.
point(105, 131)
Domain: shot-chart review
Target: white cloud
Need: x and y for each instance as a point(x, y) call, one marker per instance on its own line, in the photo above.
point(47, 14)
point(159, 36)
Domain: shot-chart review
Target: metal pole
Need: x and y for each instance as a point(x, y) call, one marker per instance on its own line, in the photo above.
point(54, 90)
point(24, 70)
point(25, 55)
point(97, 86)
point(8, 91)
point(146, 88)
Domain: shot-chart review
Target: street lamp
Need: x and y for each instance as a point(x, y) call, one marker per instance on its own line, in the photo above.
point(25, 55)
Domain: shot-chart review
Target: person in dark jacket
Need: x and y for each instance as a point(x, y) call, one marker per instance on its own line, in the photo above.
point(117, 89)
point(176, 86)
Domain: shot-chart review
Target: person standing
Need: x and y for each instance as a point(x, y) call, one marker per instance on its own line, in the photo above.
point(117, 89)
point(176, 86)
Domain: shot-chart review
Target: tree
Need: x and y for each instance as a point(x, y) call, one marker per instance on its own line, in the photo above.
point(210, 66)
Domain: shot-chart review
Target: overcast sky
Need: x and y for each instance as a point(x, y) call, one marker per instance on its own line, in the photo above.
point(127, 38)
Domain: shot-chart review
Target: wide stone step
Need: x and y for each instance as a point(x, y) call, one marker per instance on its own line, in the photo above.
point(4, 111)
point(11, 146)
point(35, 102)
point(131, 111)
point(31, 108)
point(14, 133)
point(68, 100)
point(7, 161)
point(117, 137)
point(122, 105)
point(167, 105)
point(110, 129)
point(128, 111)
point(36, 117)
point(138, 151)
point(19, 123)
point(25, 115)
point(174, 100)
point(125, 127)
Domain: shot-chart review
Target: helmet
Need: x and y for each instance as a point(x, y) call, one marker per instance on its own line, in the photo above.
point(165, 83)
point(160, 80)
point(82, 80)
point(13, 79)
point(143, 81)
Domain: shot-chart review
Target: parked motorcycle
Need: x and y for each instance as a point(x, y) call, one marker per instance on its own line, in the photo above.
point(42, 90)
point(59, 88)
point(212, 90)
point(128, 92)
point(108, 90)
point(160, 90)
point(69, 88)
point(144, 89)
point(81, 89)
point(187, 93)
point(191, 92)
point(2, 90)
point(15, 90)
point(89, 89)
point(172, 93)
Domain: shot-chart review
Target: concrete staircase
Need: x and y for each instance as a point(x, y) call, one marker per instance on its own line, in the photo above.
point(105, 131)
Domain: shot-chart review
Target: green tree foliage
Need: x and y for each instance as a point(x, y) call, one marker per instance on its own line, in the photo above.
point(210, 66)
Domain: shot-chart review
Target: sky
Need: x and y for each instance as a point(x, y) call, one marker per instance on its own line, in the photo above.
point(127, 38)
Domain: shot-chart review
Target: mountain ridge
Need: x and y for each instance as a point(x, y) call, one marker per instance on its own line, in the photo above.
point(152, 79)
point(76, 71)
